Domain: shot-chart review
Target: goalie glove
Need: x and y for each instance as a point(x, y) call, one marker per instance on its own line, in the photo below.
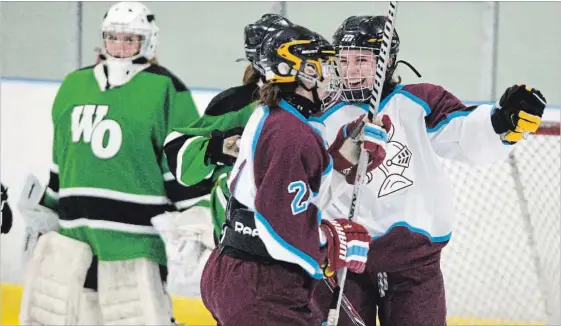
point(347, 245)
point(37, 218)
point(223, 147)
point(373, 137)
point(518, 112)
point(189, 239)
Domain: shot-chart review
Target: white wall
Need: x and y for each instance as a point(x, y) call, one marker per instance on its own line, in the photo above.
point(35, 39)
point(201, 40)
point(489, 266)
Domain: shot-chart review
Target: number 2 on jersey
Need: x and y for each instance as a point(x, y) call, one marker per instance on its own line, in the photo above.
point(298, 204)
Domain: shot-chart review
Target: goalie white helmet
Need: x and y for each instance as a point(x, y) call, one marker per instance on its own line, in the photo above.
point(131, 18)
point(129, 39)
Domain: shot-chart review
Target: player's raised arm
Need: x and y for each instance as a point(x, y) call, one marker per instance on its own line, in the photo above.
point(479, 134)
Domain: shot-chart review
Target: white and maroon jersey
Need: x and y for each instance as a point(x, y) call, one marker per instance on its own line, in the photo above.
point(408, 205)
point(282, 173)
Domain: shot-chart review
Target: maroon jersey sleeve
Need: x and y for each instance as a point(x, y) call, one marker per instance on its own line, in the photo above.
point(288, 165)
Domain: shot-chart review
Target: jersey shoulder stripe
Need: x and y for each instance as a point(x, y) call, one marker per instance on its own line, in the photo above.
point(162, 71)
point(232, 99)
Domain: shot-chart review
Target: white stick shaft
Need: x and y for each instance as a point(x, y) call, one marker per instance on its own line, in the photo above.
point(379, 79)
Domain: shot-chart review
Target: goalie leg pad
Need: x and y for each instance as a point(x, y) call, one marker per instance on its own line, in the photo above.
point(131, 292)
point(52, 288)
point(90, 314)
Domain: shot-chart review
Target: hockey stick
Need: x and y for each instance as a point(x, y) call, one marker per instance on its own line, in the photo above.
point(379, 79)
point(347, 306)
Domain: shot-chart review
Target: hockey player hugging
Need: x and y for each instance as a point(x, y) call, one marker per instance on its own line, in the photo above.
point(407, 205)
point(99, 260)
point(275, 246)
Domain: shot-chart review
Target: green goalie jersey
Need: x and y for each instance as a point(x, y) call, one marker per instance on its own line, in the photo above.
point(187, 147)
point(109, 175)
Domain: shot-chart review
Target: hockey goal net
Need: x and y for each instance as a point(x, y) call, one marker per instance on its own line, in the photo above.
point(502, 265)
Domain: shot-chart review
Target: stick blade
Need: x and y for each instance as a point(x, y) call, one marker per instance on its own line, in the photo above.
point(333, 317)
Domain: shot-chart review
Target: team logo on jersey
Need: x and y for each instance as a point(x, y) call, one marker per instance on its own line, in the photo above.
point(245, 230)
point(398, 157)
point(90, 127)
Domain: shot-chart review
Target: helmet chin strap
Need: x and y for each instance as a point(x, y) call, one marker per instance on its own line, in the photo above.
point(313, 90)
point(302, 103)
point(410, 67)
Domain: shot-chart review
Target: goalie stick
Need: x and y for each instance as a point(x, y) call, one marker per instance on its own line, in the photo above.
point(379, 79)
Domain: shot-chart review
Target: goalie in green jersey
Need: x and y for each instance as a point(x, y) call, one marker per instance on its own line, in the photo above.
point(100, 260)
point(206, 150)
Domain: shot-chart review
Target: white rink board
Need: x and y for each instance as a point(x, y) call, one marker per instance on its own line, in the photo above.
point(473, 283)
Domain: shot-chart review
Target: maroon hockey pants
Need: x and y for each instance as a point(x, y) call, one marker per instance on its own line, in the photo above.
point(414, 298)
point(241, 292)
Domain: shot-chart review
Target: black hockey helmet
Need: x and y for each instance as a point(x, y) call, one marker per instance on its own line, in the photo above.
point(255, 33)
point(363, 33)
point(286, 53)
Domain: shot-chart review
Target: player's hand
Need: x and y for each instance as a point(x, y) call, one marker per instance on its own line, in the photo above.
point(347, 245)
point(223, 147)
point(373, 138)
point(231, 146)
point(519, 111)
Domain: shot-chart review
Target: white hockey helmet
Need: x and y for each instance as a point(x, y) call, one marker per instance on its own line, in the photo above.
point(133, 18)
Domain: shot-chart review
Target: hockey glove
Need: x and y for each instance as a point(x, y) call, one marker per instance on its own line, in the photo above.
point(6, 219)
point(345, 150)
point(223, 147)
point(519, 111)
point(347, 245)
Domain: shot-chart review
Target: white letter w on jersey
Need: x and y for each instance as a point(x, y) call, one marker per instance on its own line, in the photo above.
point(94, 130)
point(83, 121)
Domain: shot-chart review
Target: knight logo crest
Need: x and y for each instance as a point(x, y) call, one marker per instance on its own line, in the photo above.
point(398, 157)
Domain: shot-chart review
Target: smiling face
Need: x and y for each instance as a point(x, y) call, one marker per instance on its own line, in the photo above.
point(357, 68)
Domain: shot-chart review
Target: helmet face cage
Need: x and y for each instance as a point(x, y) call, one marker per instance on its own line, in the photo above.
point(124, 35)
point(325, 79)
point(330, 90)
point(356, 68)
point(123, 45)
point(289, 59)
point(125, 19)
point(358, 40)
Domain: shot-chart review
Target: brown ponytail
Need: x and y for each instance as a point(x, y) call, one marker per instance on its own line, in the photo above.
point(250, 75)
point(270, 95)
